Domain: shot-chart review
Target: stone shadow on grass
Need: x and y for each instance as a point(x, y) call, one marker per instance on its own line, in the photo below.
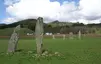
point(19, 50)
point(25, 51)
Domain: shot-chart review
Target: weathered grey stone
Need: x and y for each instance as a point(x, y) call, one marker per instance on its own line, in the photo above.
point(53, 36)
point(79, 34)
point(71, 35)
point(12, 45)
point(64, 36)
point(39, 34)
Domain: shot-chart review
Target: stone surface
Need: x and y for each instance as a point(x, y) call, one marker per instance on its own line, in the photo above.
point(39, 34)
point(53, 36)
point(71, 35)
point(64, 36)
point(79, 34)
point(12, 45)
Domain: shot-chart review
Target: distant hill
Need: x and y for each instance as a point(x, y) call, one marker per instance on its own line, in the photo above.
point(28, 25)
point(57, 23)
point(9, 31)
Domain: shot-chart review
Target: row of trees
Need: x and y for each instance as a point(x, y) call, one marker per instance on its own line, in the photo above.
point(57, 27)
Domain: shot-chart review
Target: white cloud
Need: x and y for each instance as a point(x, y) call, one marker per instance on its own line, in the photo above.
point(68, 11)
point(90, 8)
point(31, 8)
point(9, 20)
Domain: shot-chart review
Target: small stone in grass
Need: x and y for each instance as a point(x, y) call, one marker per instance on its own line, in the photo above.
point(56, 52)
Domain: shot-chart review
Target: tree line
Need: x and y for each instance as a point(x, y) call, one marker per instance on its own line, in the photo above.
point(56, 26)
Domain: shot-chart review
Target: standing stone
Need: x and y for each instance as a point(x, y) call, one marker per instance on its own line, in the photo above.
point(39, 34)
point(12, 45)
point(53, 36)
point(71, 35)
point(79, 34)
point(64, 36)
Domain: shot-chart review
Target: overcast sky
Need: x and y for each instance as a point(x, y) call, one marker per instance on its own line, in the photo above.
point(85, 11)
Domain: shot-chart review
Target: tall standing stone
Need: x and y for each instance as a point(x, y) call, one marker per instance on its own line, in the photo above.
point(12, 45)
point(79, 34)
point(39, 34)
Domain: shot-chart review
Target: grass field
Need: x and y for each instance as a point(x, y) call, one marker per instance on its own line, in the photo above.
point(84, 51)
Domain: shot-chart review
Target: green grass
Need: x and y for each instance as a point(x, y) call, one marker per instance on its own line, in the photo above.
point(85, 51)
point(9, 31)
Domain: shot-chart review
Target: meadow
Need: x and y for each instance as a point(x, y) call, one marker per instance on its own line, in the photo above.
point(74, 51)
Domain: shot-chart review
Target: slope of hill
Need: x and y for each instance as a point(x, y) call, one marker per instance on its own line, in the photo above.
point(9, 31)
point(28, 25)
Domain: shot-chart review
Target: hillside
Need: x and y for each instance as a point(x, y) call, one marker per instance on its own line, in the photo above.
point(28, 25)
